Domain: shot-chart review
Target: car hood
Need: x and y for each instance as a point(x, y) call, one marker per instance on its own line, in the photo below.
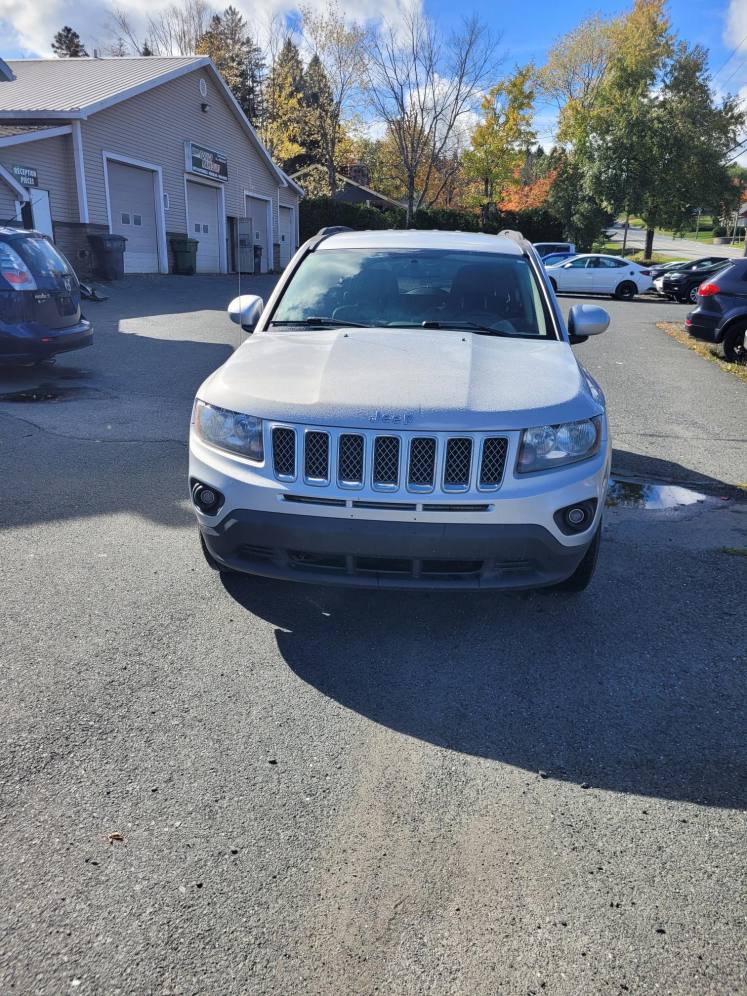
point(429, 379)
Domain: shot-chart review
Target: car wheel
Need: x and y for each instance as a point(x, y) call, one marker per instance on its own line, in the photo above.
point(626, 291)
point(583, 574)
point(692, 295)
point(211, 561)
point(735, 343)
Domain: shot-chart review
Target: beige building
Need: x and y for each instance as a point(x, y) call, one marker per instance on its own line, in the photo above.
point(148, 148)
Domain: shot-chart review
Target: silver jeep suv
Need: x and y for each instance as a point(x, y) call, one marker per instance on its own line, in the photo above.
point(408, 412)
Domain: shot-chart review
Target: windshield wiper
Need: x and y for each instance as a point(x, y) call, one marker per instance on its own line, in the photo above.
point(456, 326)
point(320, 320)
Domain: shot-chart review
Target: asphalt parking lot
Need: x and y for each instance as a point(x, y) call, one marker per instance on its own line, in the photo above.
point(332, 792)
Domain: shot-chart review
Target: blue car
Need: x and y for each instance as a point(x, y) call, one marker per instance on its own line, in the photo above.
point(39, 300)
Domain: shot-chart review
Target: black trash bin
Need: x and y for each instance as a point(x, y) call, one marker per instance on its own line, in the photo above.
point(185, 255)
point(108, 256)
point(258, 259)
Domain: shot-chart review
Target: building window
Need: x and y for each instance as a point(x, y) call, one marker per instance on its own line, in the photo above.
point(125, 218)
point(137, 219)
point(204, 229)
point(197, 229)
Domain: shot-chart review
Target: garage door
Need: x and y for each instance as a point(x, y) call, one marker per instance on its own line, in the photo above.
point(132, 200)
point(256, 209)
point(287, 247)
point(202, 211)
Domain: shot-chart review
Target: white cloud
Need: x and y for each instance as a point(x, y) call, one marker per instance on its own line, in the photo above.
point(29, 27)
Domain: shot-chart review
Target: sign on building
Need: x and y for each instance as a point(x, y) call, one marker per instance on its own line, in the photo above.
point(27, 176)
point(205, 162)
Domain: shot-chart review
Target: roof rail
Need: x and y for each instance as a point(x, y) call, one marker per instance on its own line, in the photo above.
point(325, 233)
point(509, 233)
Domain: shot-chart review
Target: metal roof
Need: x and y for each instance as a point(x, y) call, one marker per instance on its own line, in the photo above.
point(65, 87)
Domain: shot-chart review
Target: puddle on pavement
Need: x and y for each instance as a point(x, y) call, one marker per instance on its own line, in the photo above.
point(49, 392)
point(635, 494)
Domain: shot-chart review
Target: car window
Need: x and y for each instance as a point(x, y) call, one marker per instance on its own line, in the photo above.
point(578, 263)
point(609, 263)
point(408, 287)
point(41, 257)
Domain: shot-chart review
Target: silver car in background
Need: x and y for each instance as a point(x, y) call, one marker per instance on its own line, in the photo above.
point(407, 412)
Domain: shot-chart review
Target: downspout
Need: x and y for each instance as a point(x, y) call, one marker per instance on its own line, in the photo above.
point(80, 173)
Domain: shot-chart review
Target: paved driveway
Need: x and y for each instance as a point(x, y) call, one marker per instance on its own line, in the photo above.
point(676, 248)
point(325, 792)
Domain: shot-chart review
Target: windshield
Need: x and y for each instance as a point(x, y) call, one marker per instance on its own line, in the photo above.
point(407, 288)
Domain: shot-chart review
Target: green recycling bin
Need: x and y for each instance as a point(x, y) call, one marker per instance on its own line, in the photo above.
point(108, 256)
point(185, 256)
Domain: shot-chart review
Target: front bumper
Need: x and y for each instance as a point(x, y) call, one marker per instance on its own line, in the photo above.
point(370, 553)
point(24, 348)
point(506, 539)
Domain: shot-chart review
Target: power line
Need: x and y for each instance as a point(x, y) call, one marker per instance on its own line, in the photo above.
point(733, 72)
point(730, 56)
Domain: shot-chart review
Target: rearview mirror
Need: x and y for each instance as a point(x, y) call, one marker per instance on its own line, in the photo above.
point(585, 320)
point(246, 310)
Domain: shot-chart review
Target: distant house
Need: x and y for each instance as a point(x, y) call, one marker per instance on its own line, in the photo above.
point(350, 187)
point(151, 148)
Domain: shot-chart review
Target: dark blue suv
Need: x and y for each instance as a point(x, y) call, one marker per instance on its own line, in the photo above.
point(721, 312)
point(39, 300)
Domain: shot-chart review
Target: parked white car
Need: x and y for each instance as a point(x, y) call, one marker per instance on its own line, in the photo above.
point(408, 412)
point(598, 273)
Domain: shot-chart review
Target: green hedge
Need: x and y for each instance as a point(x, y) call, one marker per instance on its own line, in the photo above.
point(537, 225)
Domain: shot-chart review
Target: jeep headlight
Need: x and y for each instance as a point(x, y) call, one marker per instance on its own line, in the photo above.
point(547, 446)
point(232, 431)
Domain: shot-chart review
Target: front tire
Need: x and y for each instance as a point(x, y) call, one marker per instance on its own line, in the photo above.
point(625, 291)
point(581, 577)
point(735, 343)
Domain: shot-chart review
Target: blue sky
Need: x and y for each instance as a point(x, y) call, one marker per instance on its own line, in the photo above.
point(528, 27)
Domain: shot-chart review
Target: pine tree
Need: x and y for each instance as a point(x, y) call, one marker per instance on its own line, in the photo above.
point(282, 120)
point(237, 57)
point(66, 44)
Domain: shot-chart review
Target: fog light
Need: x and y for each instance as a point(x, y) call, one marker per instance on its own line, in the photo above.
point(575, 516)
point(208, 500)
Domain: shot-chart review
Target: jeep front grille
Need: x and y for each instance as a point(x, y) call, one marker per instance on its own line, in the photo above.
point(316, 457)
point(407, 461)
point(458, 463)
point(422, 462)
point(350, 460)
point(494, 450)
point(386, 461)
point(284, 452)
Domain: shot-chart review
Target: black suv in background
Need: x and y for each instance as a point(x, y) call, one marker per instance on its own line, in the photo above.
point(721, 314)
point(39, 300)
point(683, 282)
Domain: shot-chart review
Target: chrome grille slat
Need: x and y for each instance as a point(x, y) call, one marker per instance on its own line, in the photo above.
point(457, 463)
point(350, 450)
point(386, 462)
point(422, 465)
point(493, 461)
point(316, 456)
point(284, 453)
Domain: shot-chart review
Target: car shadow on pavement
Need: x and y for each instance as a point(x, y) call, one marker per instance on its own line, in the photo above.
point(634, 686)
point(602, 690)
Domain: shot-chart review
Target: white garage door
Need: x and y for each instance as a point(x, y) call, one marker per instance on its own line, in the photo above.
point(132, 199)
point(202, 211)
point(287, 248)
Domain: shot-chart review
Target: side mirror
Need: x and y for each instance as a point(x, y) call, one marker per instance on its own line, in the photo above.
point(585, 320)
point(246, 311)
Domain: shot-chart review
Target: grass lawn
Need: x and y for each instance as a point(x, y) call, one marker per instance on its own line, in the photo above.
point(709, 351)
point(635, 255)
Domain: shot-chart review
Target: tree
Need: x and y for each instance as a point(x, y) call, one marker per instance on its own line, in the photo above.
point(580, 213)
point(500, 142)
point(658, 141)
point(66, 44)
point(281, 123)
point(335, 72)
point(172, 30)
point(237, 57)
point(574, 70)
point(422, 87)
